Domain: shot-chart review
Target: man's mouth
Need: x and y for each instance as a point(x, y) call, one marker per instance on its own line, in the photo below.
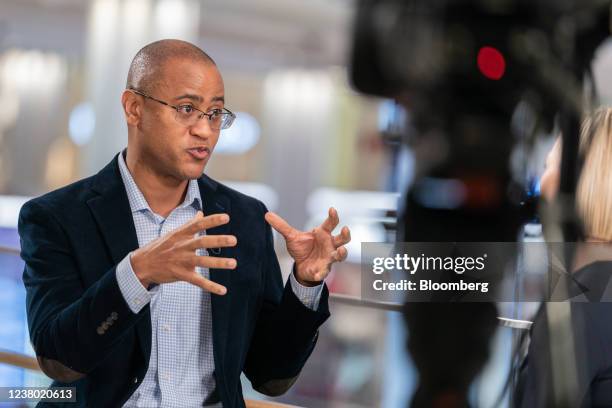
point(199, 153)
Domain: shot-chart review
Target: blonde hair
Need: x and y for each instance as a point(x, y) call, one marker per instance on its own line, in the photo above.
point(594, 189)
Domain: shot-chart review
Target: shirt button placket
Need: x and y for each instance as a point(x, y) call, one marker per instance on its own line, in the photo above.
point(165, 343)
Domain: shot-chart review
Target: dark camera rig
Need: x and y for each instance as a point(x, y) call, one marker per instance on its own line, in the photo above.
point(480, 80)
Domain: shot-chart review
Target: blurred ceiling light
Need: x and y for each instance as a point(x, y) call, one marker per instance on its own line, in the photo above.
point(135, 18)
point(32, 71)
point(176, 18)
point(240, 137)
point(9, 101)
point(102, 27)
point(315, 90)
point(82, 123)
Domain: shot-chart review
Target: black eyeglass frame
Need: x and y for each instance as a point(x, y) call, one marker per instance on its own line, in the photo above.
point(176, 108)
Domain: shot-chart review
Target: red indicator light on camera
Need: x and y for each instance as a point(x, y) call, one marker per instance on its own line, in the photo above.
point(491, 63)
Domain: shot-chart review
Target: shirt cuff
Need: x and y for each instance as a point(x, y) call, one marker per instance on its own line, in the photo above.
point(308, 295)
point(134, 293)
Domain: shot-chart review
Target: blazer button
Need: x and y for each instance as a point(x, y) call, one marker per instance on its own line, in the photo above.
point(135, 380)
point(114, 315)
point(100, 331)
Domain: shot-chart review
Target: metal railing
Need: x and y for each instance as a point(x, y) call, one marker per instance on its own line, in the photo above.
point(19, 360)
point(9, 250)
point(397, 307)
point(370, 304)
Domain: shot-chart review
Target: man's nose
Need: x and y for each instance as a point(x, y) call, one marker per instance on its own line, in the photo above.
point(202, 128)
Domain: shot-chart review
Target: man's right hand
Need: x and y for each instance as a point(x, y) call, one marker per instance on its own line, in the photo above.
point(173, 257)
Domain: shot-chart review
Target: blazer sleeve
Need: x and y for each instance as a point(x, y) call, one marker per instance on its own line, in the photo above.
point(71, 327)
point(286, 330)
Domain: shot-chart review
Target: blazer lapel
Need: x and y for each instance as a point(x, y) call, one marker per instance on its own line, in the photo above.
point(214, 202)
point(112, 212)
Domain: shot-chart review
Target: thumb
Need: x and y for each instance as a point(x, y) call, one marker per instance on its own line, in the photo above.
point(279, 224)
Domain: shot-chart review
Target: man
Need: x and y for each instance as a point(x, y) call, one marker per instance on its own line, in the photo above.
point(150, 284)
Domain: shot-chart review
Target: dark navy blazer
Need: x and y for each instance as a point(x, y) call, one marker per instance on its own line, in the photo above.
point(590, 328)
point(71, 241)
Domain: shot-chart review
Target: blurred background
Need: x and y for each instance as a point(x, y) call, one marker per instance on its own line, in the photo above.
point(303, 141)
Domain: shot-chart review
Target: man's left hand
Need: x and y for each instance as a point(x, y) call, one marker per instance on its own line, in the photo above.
point(315, 251)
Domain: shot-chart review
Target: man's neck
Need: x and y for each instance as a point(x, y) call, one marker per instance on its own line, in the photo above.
point(163, 194)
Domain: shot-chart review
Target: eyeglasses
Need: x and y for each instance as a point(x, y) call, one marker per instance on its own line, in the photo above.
point(188, 115)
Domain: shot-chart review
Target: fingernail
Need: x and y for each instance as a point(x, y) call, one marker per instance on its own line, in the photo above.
point(231, 264)
point(222, 291)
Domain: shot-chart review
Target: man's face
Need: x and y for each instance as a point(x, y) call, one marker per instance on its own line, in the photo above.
point(170, 148)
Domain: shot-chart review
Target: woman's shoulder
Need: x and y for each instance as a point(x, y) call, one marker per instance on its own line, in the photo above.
point(594, 281)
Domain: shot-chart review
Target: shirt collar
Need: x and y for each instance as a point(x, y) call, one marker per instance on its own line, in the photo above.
point(137, 200)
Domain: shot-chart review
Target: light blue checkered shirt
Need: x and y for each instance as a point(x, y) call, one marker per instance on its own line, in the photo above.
point(181, 365)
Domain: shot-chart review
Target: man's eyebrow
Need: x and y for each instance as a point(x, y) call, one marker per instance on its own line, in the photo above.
point(193, 97)
point(198, 98)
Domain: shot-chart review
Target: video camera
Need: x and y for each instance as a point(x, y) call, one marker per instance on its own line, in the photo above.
point(480, 80)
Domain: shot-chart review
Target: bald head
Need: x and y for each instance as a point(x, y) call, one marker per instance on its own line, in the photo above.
point(147, 66)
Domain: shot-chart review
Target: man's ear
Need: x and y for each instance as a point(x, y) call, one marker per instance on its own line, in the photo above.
point(131, 108)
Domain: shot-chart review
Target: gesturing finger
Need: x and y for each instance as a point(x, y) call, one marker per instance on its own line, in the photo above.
point(200, 223)
point(206, 261)
point(343, 238)
point(206, 284)
point(211, 241)
point(279, 224)
point(339, 254)
point(331, 221)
